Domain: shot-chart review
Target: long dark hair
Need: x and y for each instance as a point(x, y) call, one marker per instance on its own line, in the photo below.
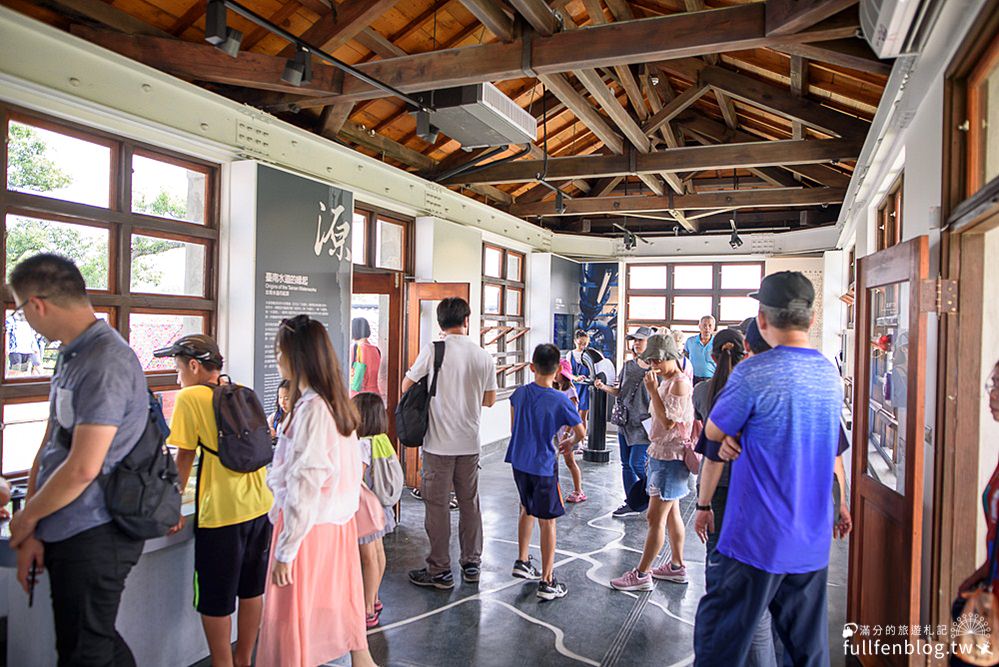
point(306, 347)
point(726, 356)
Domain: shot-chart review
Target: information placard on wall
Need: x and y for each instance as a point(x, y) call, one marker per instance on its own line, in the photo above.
point(303, 265)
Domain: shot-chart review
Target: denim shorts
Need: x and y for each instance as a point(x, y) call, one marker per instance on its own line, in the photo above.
point(667, 479)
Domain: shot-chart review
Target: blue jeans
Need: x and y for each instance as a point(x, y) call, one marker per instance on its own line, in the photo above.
point(633, 458)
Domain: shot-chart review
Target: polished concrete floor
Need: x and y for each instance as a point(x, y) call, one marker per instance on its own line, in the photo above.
point(499, 621)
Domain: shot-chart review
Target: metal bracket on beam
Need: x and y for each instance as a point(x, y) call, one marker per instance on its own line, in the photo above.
point(632, 162)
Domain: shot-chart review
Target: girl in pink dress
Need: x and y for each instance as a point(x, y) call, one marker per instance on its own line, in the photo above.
point(314, 603)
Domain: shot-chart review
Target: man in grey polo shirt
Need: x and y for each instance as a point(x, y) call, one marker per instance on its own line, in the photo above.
point(98, 411)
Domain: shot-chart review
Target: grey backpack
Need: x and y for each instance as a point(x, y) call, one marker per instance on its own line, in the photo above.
point(386, 471)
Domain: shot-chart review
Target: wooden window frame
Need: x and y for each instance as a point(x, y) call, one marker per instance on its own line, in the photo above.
point(496, 328)
point(670, 291)
point(372, 215)
point(118, 299)
point(888, 224)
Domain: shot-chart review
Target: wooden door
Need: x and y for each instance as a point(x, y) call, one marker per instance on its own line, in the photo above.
point(387, 292)
point(887, 488)
point(421, 329)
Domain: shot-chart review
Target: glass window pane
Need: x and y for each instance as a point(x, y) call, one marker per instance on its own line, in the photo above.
point(988, 120)
point(889, 383)
point(492, 299)
point(493, 263)
point(691, 307)
point(56, 165)
point(389, 246)
point(647, 308)
point(86, 246)
point(359, 239)
point(514, 267)
point(741, 276)
point(738, 308)
point(151, 331)
point(687, 276)
point(165, 266)
point(23, 429)
point(648, 277)
point(514, 301)
point(28, 353)
point(168, 190)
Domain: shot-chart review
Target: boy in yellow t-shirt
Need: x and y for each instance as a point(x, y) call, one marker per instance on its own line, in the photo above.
point(232, 534)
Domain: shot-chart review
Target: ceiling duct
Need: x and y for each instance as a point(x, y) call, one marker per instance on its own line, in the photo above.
point(897, 27)
point(475, 116)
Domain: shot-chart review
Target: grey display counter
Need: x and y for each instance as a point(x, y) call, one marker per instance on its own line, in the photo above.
point(156, 617)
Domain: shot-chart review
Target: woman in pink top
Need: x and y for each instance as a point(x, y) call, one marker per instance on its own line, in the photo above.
point(366, 359)
point(314, 603)
point(672, 410)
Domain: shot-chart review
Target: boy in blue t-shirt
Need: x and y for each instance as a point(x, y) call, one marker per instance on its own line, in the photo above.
point(538, 412)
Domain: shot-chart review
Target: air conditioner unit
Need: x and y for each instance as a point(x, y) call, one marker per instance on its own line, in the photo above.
point(897, 27)
point(475, 116)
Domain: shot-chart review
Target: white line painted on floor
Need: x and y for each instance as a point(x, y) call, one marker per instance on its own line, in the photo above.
point(557, 631)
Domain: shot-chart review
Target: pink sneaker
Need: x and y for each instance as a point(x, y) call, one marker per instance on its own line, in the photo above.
point(575, 497)
point(372, 620)
point(667, 572)
point(632, 581)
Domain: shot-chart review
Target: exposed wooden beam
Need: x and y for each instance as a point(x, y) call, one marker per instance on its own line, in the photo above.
point(538, 14)
point(703, 201)
point(576, 103)
point(375, 42)
point(491, 15)
point(690, 158)
point(799, 84)
point(104, 13)
point(674, 108)
point(608, 102)
point(334, 29)
point(203, 62)
point(624, 73)
point(852, 53)
point(790, 16)
point(358, 134)
point(778, 100)
point(698, 6)
point(333, 118)
point(605, 186)
point(675, 36)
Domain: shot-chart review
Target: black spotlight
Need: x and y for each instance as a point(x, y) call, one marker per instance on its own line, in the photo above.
point(218, 33)
point(299, 69)
point(559, 202)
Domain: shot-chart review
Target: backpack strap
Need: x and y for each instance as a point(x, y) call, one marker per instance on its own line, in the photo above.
point(438, 361)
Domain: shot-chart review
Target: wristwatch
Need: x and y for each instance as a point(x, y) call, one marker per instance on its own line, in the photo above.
point(703, 508)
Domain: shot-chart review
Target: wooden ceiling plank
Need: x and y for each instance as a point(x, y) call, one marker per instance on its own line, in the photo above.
point(491, 15)
point(780, 101)
point(648, 40)
point(624, 73)
point(333, 118)
point(254, 37)
point(196, 11)
point(704, 201)
point(851, 53)
point(576, 103)
point(790, 16)
point(690, 158)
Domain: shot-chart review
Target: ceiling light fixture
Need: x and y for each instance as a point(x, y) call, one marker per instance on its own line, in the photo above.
point(734, 240)
point(217, 31)
point(298, 71)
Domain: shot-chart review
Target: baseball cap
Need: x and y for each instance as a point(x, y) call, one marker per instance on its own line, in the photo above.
point(659, 348)
point(786, 289)
point(641, 333)
point(756, 342)
point(196, 346)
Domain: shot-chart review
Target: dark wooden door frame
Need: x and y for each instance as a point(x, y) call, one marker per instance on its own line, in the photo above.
point(415, 293)
point(906, 262)
point(387, 283)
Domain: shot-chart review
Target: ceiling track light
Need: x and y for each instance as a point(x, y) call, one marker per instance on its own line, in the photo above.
point(217, 31)
point(298, 71)
point(734, 240)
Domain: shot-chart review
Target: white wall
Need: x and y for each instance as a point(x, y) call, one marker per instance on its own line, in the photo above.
point(813, 268)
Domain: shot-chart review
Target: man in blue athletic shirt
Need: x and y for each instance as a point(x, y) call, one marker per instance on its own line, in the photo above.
point(778, 419)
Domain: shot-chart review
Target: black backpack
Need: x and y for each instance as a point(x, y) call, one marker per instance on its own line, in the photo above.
point(412, 415)
point(245, 443)
point(141, 492)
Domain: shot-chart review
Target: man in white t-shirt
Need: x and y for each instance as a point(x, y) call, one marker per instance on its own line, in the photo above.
point(451, 448)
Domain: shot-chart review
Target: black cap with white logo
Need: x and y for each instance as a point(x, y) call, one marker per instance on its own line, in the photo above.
point(195, 346)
